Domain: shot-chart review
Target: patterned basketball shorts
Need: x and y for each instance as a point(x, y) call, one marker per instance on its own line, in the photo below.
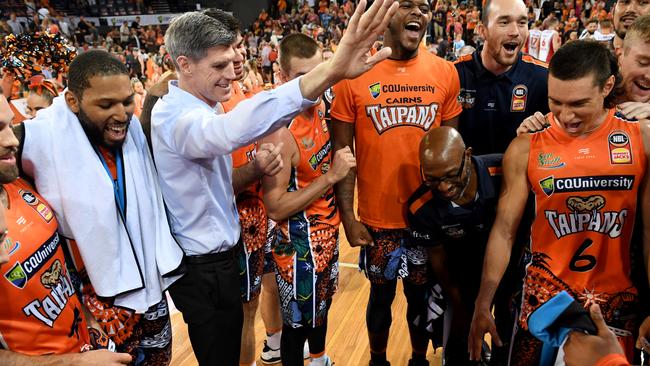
point(146, 337)
point(391, 258)
point(254, 265)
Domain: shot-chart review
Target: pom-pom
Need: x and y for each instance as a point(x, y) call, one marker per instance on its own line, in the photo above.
point(27, 54)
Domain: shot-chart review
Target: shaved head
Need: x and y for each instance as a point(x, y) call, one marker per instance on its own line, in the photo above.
point(441, 146)
point(445, 164)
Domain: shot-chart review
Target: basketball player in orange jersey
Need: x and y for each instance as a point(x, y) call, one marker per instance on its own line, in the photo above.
point(633, 60)
point(301, 199)
point(250, 164)
point(41, 318)
point(585, 172)
point(384, 114)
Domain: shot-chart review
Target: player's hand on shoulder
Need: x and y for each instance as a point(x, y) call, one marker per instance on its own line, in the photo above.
point(268, 160)
point(161, 87)
point(103, 357)
point(634, 110)
point(534, 123)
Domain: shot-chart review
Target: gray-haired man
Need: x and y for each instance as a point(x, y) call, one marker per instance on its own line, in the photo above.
point(192, 144)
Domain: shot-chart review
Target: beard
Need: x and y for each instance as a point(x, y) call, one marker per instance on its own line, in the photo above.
point(96, 135)
point(9, 174)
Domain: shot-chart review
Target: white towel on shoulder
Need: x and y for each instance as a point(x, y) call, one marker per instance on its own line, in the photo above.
point(125, 262)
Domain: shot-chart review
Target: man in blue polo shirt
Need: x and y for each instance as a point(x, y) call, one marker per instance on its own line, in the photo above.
point(451, 215)
point(499, 85)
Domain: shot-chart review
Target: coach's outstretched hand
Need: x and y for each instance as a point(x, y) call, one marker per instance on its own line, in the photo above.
point(352, 58)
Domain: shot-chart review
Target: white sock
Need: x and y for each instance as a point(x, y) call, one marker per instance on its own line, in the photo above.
point(273, 340)
point(320, 361)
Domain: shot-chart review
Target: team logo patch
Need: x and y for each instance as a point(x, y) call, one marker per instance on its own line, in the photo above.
point(375, 90)
point(519, 96)
point(43, 210)
point(467, 98)
point(17, 276)
point(320, 114)
point(29, 197)
point(549, 161)
point(547, 185)
point(307, 143)
point(620, 150)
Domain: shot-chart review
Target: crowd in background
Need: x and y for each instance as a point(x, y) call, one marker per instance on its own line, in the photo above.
point(452, 33)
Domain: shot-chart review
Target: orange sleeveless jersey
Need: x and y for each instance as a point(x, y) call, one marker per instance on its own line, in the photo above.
point(393, 106)
point(585, 195)
point(243, 155)
point(252, 213)
point(313, 140)
point(41, 313)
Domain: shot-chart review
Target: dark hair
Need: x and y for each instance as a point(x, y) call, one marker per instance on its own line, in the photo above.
point(296, 45)
point(226, 19)
point(580, 58)
point(484, 13)
point(592, 20)
point(89, 64)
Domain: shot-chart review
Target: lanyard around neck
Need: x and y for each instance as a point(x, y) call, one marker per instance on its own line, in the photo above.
point(118, 184)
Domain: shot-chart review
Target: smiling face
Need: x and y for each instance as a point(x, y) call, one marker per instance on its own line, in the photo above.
point(505, 32)
point(635, 69)
point(408, 25)
point(210, 77)
point(105, 109)
point(625, 13)
point(578, 105)
point(240, 52)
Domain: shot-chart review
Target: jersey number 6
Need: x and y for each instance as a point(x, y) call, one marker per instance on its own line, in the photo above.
point(583, 262)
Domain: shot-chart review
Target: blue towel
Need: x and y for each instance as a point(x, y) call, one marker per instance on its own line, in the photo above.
point(552, 322)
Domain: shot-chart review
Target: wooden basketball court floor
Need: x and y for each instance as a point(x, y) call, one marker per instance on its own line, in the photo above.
point(347, 340)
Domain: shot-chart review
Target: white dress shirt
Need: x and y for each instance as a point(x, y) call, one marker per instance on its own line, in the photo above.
point(192, 146)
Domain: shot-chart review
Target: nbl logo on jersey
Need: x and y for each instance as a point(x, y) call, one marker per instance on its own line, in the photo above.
point(620, 151)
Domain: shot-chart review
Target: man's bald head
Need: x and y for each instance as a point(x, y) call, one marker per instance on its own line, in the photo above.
point(445, 163)
point(441, 146)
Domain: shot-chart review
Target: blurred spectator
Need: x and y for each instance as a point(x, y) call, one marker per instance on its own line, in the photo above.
point(14, 24)
point(138, 96)
point(124, 34)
